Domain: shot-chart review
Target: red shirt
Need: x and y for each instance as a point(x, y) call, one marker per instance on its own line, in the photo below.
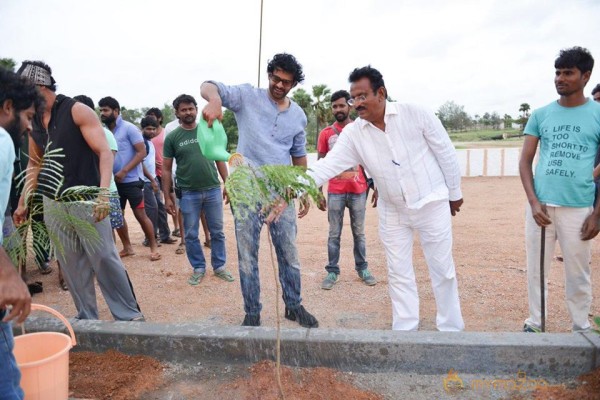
point(350, 181)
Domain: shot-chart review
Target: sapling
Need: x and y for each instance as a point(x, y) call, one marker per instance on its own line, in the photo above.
point(264, 189)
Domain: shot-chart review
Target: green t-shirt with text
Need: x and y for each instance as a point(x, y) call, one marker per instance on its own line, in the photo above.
point(569, 138)
point(194, 171)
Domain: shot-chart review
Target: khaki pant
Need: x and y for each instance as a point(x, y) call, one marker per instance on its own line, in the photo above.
point(565, 227)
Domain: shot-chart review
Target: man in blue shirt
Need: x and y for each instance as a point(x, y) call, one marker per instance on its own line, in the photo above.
point(271, 132)
point(561, 196)
point(18, 102)
point(128, 173)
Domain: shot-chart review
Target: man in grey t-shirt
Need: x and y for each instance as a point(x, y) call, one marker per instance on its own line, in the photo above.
point(271, 132)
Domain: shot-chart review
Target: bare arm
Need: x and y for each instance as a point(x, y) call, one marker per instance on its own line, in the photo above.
point(526, 172)
point(300, 162)
point(94, 136)
point(167, 184)
point(34, 166)
point(224, 172)
point(140, 154)
point(213, 110)
point(13, 291)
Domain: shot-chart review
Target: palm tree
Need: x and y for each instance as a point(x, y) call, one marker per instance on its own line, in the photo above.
point(322, 95)
point(524, 110)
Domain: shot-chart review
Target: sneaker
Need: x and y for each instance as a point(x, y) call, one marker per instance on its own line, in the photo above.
point(225, 275)
point(531, 329)
point(195, 279)
point(251, 320)
point(176, 232)
point(303, 317)
point(367, 278)
point(330, 280)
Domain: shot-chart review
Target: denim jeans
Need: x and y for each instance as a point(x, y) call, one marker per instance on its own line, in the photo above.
point(283, 235)
point(336, 205)
point(192, 203)
point(10, 376)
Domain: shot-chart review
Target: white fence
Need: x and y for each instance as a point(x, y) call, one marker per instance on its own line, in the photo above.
point(480, 162)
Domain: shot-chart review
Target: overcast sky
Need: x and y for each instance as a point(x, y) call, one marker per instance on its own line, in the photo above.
point(483, 54)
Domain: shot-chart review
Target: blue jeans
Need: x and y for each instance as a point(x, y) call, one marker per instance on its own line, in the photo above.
point(192, 203)
point(336, 204)
point(10, 376)
point(283, 235)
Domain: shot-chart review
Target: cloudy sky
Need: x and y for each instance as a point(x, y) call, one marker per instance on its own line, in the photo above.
point(486, 55)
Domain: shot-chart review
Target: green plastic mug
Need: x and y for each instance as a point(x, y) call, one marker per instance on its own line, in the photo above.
point(212, 141)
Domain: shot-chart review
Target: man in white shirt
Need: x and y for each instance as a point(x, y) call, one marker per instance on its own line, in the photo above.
point(413, 163)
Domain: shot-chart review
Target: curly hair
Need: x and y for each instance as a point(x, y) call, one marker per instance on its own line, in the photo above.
point(20, 90)
point(577, 57)
point(288, 63)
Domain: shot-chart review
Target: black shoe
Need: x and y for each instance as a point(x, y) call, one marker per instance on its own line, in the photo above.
point(251, 320)
point(303, 317)
point(44, 268)
point(169, 240)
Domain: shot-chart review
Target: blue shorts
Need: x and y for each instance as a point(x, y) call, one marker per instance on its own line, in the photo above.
point(116, 214)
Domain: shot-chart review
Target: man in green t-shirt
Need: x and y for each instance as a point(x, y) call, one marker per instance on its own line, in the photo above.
point(200, 190)
point(561, 196)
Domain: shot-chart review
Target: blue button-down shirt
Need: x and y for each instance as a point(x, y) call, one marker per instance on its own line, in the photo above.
point(267, 136)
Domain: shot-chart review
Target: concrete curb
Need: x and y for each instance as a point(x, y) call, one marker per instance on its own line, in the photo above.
point(547, 355)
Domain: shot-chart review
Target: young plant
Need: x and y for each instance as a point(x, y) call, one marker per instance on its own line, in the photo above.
point(262, 189)
point(51, 172)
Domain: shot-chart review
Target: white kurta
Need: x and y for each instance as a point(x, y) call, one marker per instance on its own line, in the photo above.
point(415, 169)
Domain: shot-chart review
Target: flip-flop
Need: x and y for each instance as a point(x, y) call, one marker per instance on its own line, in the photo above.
point(155, 256)
point(180, 249)
point(63, 285)
point(124, 253)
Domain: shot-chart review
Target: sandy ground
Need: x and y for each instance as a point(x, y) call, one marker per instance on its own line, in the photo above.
point(489, 254)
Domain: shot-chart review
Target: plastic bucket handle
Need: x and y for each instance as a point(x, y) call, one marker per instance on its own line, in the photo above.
point(40, 307)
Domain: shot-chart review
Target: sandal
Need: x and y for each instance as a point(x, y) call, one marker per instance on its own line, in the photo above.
point(63, 285)
point(155, 256)
point(180, 249)
point(124, 253)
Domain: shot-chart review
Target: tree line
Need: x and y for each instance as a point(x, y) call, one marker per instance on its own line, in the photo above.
point(456, 119)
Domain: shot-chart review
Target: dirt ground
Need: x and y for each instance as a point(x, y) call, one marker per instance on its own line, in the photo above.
point(488, 250)
point(490, 259)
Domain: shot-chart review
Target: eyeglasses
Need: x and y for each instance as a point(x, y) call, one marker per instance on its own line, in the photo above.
point(352, 100)
point(285, 82)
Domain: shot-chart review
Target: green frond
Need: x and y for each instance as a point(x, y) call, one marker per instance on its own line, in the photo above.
point(249, 188)
point(78, 228)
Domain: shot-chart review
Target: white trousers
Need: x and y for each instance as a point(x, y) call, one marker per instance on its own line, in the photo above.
point(566, 228)
point(433, 223)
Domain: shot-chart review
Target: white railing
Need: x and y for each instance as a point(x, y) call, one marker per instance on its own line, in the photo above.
point(480, 162)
